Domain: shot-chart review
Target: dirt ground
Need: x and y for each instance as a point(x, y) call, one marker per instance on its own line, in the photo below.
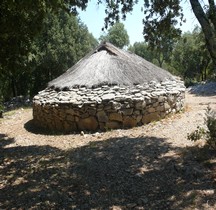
point(149, 167)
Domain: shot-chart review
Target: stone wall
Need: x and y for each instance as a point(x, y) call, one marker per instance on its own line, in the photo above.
point(106, 107)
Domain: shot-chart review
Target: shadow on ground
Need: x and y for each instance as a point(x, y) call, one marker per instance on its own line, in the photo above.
point(32, 128)
point(129, 173)
point(206, 89)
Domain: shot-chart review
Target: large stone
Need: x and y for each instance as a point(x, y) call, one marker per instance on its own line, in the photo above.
point(127, 111)
point(138, 94)
point(136, 112)
point(58, 124)
point(84, 115)
point(108, 96)
point(166, 106)
point(155, 104)
point(161, 99)
point(138, 118)
point(171, 99)
point(102, 117)
point(92, 112)
point(115, 117)
point(160, 109)
point(150, 117)
point(116, 105)
point(151, 110)
point(89, 123)
point(70, 118)
point(140, 105)
point(71, 126)
point(102, 126)
point(113, 125)
point(129, 122)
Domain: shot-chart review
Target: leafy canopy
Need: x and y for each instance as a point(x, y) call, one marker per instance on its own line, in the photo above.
point(117, 35)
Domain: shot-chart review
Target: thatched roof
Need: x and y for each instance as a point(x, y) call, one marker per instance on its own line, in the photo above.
point(109, 65)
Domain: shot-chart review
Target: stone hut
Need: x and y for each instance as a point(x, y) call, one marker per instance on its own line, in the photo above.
point(108, 89)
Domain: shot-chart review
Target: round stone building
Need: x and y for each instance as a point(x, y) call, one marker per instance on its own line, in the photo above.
point(108, 89)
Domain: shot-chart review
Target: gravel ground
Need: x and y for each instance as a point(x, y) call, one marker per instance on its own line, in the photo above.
point(148, 167)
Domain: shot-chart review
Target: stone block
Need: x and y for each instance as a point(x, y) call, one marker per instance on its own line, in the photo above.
point(116, 105)
point(70, 118)
point(58, 124)
point(102, 116)
point(85, 115)
point(108, 97)
point(127, 111)
point(150, 117)
point(136, 112)
point(151, 110)
point(89, 123)
point(102, 126)
point(129, 122)
point(138, 118)
point(70, 126)
point(161, 99)
point(160, 109)
point(166, 106)
point(115, 116)
point(155, 104)
point(108, 107)
point(92, 112)
point(113, 125)
point(140, 105)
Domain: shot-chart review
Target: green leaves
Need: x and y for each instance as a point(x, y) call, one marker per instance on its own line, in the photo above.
point(117, 35)
point(63, 41)
point(39, 40)
point(209, 134)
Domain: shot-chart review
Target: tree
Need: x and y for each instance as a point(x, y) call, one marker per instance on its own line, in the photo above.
point(189, 57)
point(31, 59)
point(162, 17)
point(20, 22)
point(63, 41)
point(117, 35)
point(207, 21)
point(142, 49)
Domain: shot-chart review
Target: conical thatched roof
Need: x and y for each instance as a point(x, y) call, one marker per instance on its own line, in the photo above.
point(108, 64)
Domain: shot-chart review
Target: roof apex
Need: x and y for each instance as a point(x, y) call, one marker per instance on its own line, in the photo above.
point(107, 64)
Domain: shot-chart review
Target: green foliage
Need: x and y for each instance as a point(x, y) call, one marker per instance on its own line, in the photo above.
point(63, 41)
point(20, 22)
point(190, 57)
point(162, 20)
point(57, 40)
point(142, 49)
point(117, 35)
point(208, 134)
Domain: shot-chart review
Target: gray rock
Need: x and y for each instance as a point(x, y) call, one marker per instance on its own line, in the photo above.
point(108, 96)
point(127, 111)
point(102, 117)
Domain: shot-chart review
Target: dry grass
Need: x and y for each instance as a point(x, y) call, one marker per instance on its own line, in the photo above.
point(110, 65)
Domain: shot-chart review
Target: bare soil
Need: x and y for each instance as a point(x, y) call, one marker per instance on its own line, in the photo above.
point(149, 167)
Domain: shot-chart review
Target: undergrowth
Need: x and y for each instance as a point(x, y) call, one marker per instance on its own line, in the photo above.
point(209, 134)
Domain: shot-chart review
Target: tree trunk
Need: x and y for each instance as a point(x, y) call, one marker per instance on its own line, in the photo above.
point(13, 86)
point(207, 28)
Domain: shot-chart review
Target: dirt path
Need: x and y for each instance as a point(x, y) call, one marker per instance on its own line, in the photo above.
point(148, 167)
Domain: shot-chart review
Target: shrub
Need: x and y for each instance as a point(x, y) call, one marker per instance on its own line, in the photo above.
point(209, 134)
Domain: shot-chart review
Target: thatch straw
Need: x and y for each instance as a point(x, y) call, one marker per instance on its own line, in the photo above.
point(109, 65)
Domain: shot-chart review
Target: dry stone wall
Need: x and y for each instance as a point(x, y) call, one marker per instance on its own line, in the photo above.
point(106, 107)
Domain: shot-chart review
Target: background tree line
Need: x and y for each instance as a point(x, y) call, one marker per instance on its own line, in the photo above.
point(40, 40)
point(62, 41)
point(186, 57)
